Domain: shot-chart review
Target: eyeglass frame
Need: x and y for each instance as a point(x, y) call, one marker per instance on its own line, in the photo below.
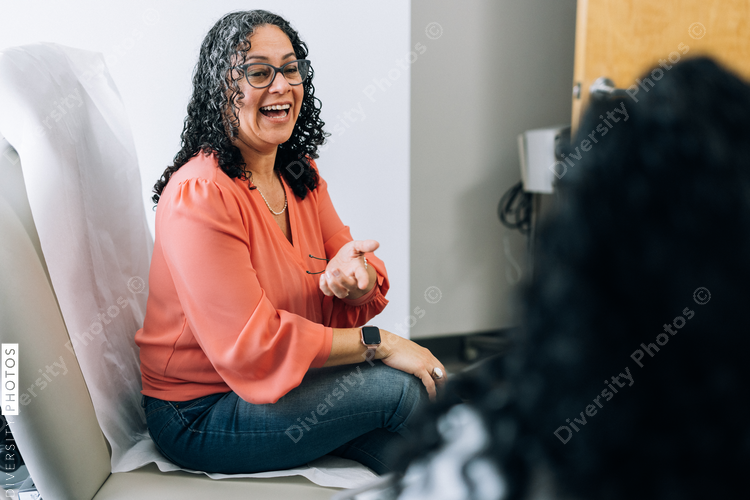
point(276, 71)
point(318, 258)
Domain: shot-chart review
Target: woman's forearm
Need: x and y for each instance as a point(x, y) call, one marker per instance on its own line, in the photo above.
point(347, 347)
point(396, 352)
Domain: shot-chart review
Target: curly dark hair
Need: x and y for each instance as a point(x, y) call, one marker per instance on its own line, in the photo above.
point(652, 236)
point(209, 128)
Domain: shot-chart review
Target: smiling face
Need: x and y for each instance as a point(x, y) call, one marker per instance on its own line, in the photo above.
point(267, 116)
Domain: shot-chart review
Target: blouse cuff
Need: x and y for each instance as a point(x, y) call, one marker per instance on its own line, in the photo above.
point(325, 351)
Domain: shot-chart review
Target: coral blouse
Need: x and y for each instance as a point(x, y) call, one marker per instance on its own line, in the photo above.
point(230, 306)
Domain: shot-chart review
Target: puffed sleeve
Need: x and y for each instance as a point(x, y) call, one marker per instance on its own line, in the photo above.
point(345, 313)
point(260, 352)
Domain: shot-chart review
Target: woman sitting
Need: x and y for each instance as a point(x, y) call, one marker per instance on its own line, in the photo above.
point(252, 358)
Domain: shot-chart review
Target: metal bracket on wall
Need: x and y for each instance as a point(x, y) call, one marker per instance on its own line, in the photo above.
point(604, 88)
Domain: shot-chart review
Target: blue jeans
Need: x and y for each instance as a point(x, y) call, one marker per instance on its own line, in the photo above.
point(352, 411)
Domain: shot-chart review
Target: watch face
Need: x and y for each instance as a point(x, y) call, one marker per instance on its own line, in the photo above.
point(371, 334)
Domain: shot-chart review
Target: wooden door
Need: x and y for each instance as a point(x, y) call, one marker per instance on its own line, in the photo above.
point(622, 39)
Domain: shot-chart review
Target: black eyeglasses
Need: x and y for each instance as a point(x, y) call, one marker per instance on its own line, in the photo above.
point(318, 258)
point(262, 75)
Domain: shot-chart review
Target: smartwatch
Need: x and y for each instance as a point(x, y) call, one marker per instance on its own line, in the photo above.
point(371, 340)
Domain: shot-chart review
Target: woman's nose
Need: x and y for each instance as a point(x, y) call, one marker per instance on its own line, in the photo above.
point(279, 84)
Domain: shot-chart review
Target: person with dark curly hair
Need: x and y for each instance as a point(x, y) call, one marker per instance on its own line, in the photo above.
point(629, 378)
point(252, 355)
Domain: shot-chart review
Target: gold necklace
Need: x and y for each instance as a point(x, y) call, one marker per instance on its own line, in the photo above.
point(269, 206)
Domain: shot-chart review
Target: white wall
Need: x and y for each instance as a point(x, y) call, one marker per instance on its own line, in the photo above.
point(491, 69)
point(151, 48)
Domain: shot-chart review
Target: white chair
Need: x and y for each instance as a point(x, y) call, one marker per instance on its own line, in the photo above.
point(57, 430)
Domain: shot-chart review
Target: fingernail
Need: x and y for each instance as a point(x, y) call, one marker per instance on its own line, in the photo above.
point(336, 273)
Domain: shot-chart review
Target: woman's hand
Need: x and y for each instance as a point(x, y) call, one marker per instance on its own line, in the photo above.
point(403, 354)
point(345, 275)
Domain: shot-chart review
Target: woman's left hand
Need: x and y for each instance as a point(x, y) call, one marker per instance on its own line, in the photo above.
point(345, 275)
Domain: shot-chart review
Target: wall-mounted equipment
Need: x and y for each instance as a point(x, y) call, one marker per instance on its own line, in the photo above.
point(539, 150)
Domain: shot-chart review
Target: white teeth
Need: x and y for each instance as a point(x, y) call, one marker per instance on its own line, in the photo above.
point(276, 107)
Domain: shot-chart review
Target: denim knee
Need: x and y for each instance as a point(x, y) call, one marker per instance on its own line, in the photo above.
point(404, 394)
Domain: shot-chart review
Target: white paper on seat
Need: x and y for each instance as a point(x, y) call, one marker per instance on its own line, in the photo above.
point(61, 111)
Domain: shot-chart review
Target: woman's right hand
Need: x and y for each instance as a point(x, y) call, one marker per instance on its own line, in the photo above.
point(407, 356)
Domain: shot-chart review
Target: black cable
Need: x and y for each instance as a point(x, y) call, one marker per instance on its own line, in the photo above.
point(515, 208)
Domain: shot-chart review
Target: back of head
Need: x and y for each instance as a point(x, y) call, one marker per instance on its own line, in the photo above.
point(631, 380)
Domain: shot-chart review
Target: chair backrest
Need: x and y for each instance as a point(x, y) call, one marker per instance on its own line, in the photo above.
point(61, 111)
point(56, 429)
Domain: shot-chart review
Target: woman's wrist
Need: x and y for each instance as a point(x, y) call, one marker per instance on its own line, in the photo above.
point(387, 342)
point(362, 299)
point(347, 346)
